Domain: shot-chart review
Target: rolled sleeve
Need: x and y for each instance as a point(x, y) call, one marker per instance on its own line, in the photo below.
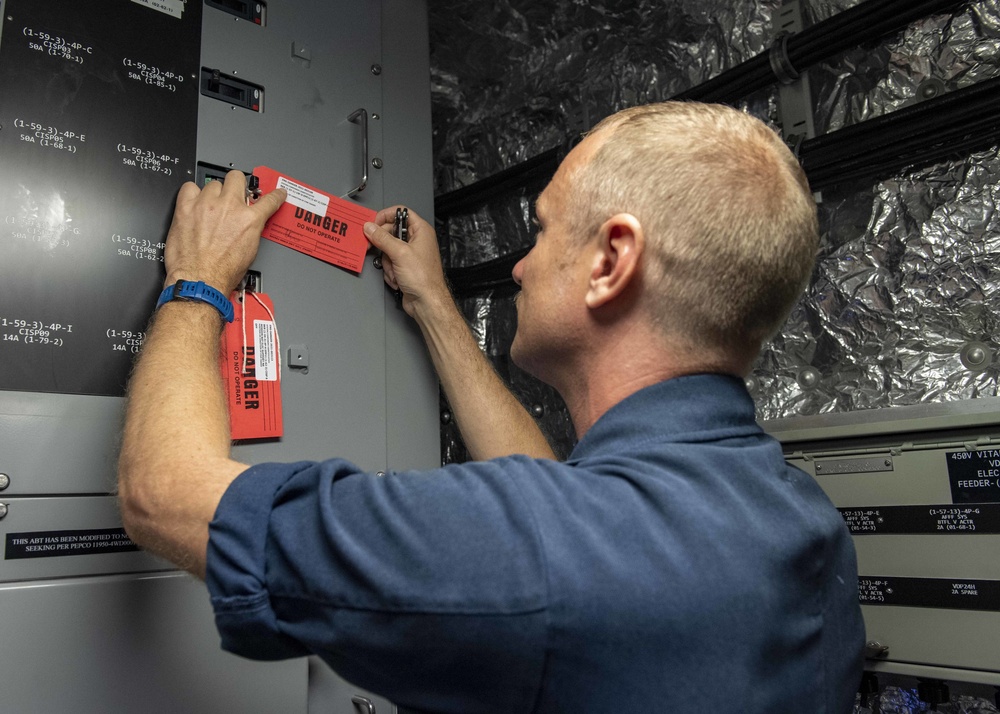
point(427, 587)
point(236, 564)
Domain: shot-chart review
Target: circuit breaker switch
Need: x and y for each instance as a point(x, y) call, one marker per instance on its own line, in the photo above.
point(249, 10)
point(231, 90)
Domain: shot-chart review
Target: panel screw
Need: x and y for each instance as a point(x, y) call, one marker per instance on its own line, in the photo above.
point(888, 462)
point(377, 162)
point(374, 115)
point(819, 467)
point(376, 69)
point(380, 473)
point(4, 481)
point(3, 510)
point(377, 262)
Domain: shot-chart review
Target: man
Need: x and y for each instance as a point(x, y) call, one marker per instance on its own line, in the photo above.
point(673, 562)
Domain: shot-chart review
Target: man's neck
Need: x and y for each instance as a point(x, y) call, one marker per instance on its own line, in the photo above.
point(623, 369)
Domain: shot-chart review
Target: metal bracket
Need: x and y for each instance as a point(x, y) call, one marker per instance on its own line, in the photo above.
point(876, 650)
point(298, 358)
point(795, 105)
point(251, 282)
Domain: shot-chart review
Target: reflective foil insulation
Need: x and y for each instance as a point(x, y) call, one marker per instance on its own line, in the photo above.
point(903, 303)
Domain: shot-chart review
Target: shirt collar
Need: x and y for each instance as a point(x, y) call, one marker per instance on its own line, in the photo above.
point(690, 408)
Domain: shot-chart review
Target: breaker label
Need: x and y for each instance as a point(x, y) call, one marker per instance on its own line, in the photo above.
point(974, 475)
point(47, 544)
point(174, 8)
point(944, 519)
point(930, 592)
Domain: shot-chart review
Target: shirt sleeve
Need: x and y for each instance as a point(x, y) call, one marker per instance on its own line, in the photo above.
point(426, 587)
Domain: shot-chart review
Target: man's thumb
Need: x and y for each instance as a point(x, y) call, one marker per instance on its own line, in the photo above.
point(380, 238)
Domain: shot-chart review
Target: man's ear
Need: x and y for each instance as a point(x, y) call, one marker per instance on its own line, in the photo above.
point(615, 265)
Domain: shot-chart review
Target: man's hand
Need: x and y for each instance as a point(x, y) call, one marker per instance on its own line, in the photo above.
point(215, 235)
point(413, 267)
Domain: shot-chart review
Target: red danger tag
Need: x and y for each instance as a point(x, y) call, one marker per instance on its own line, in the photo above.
point(316, 223)
point(251, 370)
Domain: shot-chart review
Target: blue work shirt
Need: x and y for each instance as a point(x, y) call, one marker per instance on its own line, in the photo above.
point(674, 561)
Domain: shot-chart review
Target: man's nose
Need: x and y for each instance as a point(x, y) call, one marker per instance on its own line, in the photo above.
point(518, 271)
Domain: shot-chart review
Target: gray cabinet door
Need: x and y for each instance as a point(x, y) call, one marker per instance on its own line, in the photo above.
point(123, 644)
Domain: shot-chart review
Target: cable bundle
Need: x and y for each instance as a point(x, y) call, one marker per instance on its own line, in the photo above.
point(947, 126)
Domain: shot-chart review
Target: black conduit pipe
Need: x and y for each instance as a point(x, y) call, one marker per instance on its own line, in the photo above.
point(855, 26)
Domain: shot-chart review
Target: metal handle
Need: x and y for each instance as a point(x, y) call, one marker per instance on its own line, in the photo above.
point(362, 704)
point(363, 113)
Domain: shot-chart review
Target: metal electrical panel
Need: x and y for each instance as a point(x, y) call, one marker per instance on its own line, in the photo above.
point(919, 488)
point(105, 110)
point(99, 128)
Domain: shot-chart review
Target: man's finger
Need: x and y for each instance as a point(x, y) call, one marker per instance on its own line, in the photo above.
point(389, 275)
point(270, 202)
point(189, 192)
point(235, 185)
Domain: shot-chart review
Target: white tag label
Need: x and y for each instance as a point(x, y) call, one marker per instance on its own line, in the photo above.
point(174, 8)
point(302, 197)
point(265, 369)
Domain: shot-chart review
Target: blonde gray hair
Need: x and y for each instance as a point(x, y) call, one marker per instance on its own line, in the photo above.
point(729, 220)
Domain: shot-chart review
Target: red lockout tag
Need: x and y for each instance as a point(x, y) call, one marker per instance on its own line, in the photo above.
point(315, 223)
point(251, 369)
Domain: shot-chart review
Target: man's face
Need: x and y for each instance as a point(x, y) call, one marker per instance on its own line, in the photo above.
point(553, 279)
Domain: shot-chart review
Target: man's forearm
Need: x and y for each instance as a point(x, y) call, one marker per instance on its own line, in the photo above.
point(174, 464)
point(492, 421)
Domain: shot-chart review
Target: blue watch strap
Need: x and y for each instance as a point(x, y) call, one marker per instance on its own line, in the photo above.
point(199, 292)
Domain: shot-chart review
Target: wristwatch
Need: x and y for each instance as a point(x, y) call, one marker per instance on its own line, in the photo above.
point(198, 292)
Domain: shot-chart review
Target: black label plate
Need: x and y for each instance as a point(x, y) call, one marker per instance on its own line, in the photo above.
point(930, 592)
point(947, 519)
point(48, 544)
point(974, 475)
